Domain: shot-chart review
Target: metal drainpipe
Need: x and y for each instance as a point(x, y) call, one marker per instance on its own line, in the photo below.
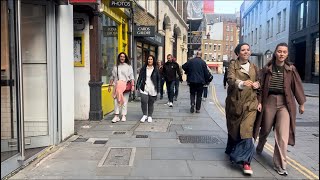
point(20, 83)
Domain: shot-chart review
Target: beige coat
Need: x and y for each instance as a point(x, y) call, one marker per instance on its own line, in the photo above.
point(293, 89)
point(241, 105)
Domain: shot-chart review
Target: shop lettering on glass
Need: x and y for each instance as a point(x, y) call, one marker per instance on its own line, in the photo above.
point(78, 24)
point(146, 31)
point(110, 31)
point(120, 4)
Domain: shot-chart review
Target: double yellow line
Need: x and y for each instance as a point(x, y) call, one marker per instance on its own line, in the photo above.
point(303, 170)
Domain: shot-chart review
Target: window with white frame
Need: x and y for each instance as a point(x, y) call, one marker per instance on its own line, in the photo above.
point(256, 36)
point(271, 27)
point(227, 38)
point(279, 22)
point(231, 38)
point(284, 19)
point(260, 31)
point(268, 29)
point(151, 7)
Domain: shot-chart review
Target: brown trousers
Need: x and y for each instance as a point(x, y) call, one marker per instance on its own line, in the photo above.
point(276, 114)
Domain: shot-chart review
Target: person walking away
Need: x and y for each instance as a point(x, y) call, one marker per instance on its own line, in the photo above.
point(149, 86)
point(281, 86)
point(160, 69)
point(197, 76)
point(241, 107)
point(122, 72)
point(170, 71)
point(205, 87)
point(176, 85)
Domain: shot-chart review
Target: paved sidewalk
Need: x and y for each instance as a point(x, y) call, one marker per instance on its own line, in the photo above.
point(177, 145)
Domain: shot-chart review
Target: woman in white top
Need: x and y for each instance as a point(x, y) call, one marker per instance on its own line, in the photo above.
point(149, 86)
point(122, 73)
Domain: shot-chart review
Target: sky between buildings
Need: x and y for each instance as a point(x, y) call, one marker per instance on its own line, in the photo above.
point(226, 6)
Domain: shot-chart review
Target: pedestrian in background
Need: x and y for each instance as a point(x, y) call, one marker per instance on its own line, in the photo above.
point(281, 86)
point(149, 86)
point(122, 72)
point(205, 87)
point(170, 71)
point(176, 85)
point(197, 76)
point(160, 69)
point(241, 107)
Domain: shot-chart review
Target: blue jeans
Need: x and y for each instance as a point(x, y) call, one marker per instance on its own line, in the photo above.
point(161, 86)
point(176, 88)
point(170, 89)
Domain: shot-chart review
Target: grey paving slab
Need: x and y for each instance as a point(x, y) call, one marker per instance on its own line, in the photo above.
point(84, 153)
point(128, 142)
point(172, 153)
point(161, 168)
point(113, 171)
point(210, 154)
point(168, 143)
point(114, 127)
point(196, 127)
point(175, 127)
point(158, 135)
point(142, 154)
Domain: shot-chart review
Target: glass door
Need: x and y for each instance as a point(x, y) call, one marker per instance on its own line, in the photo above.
point(9, 129)
point(34, 57)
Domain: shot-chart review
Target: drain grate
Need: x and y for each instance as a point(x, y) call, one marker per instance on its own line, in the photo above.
point(118, 157)
point(80, 140)
point(100, 142)
point(141, 136)
point(308, 124)
point(119, 132)
point(199, 139)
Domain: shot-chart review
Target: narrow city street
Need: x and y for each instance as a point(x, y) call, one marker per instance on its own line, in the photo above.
point(176, 145)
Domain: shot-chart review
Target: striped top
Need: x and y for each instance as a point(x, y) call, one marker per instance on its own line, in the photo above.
point(276, 83)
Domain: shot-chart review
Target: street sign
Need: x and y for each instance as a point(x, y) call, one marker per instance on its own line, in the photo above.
point(120, 4)
point(144, 31)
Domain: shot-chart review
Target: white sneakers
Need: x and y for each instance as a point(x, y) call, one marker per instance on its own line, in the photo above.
point(116, 119)
point(170, 104)
point(144, 118)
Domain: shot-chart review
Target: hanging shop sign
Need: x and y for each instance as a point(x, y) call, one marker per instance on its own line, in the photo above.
point(110, 31)
point(120, 4)
point(144, 31)
point(83, 1)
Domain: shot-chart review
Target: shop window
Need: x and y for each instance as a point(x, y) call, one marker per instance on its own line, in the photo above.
point(139, 57)
point(316, 58)
point(300, 16)
point(109, 49)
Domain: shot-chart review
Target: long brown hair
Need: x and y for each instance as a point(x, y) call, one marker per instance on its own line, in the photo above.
point(274, 58)
point(126, 59)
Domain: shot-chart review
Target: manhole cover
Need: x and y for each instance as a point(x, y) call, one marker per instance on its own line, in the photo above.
point(119, 132)
point(141, 136)
point(80, 140)
point(100, 142)
point(199, 139)
point(118, 157)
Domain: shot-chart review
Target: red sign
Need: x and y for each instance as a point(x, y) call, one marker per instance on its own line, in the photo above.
point(208, 6)
point(83, 1)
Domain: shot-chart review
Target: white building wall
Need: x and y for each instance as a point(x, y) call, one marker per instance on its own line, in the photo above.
point(175, 20)
point(82, 77)
point(265, 43)
point(216, 32)
point(66, 69)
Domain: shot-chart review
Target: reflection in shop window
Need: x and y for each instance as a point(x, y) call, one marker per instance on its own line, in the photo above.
point(109, 49)
point(316, 58)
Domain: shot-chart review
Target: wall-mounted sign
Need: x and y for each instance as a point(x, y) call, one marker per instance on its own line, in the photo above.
point(78, 24)
point(120, 4)
point(144, 31)
point(110, 31)
point(83, 1)
point(158, 39)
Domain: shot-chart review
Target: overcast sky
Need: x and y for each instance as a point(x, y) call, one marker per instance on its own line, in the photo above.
point(226, 6)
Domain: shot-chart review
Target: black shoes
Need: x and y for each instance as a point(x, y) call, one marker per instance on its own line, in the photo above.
point(197, 111)
point(192, 109)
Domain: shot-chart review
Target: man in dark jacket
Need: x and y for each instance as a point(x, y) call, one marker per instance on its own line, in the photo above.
point(197, 76)
point(170, 71)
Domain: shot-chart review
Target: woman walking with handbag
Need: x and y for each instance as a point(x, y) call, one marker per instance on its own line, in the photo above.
point(281, 87)
point(149, 85)
point(123, 80)
point(241, 107)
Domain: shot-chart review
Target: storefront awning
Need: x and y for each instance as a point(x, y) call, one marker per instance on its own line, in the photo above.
point(158, 39)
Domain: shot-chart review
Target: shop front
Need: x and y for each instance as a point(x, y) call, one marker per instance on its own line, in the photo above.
point(114, 39)
point(28, 81)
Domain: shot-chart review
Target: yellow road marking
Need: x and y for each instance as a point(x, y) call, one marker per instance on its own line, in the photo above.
point(269, 147)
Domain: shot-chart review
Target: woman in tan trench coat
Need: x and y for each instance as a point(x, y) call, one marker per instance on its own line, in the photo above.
point(241, 107)
point(280, 86)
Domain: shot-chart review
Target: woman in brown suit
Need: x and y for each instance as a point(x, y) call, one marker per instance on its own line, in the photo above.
point(280, 83)
point(241, 107)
